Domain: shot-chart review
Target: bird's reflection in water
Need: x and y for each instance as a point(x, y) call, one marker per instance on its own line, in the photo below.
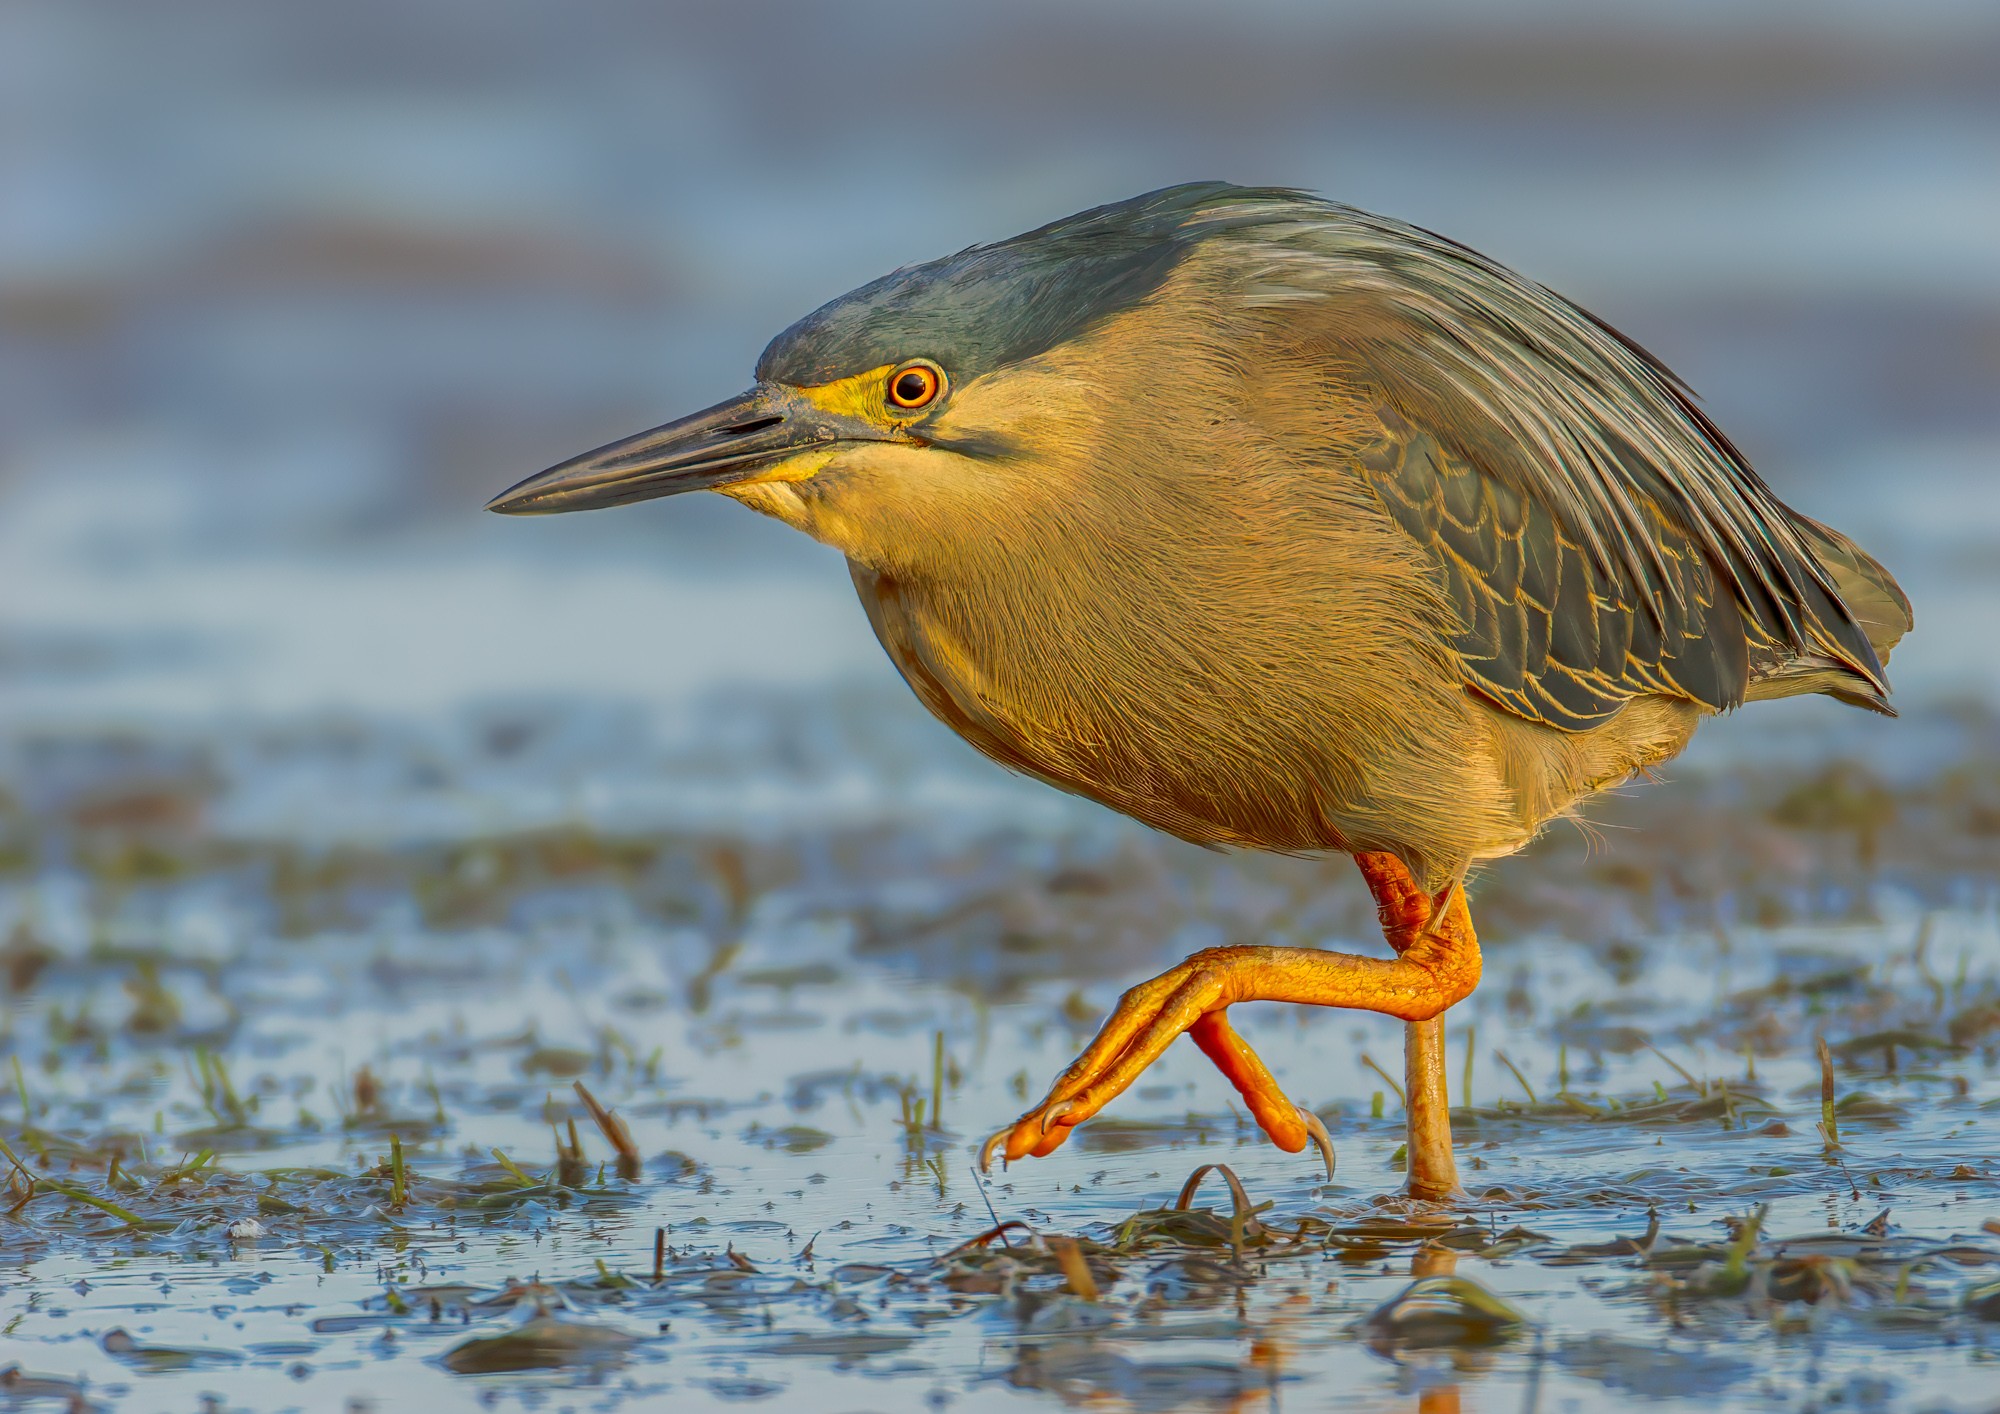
point(1438, 1401)
point(1434, 1260)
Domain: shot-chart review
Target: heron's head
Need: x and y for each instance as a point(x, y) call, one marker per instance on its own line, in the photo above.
point(933, 403)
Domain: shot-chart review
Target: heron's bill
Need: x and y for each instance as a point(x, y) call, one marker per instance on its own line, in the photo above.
point(750, 436)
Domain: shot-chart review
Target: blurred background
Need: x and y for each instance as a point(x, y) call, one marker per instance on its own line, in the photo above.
point(287, 291)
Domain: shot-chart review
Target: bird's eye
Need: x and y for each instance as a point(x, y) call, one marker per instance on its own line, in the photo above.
point(915, 385)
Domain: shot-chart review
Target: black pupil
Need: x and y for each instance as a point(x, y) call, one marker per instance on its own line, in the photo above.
point(912, 387)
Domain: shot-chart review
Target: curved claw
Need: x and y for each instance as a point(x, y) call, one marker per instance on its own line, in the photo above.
point(1320, 1138)
point(986, 1150)
point(1055, 1112)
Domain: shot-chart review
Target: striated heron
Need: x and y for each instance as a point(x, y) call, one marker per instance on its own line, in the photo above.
point(1276, 524)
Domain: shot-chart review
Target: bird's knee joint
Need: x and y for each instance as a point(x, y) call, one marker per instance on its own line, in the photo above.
point(1460, 987)
point(1452, 978)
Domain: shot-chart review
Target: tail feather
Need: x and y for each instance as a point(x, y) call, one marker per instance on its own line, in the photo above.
point(1872, 594)
point(1877, 604)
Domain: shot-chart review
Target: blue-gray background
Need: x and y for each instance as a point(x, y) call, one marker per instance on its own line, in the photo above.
point(287, 290)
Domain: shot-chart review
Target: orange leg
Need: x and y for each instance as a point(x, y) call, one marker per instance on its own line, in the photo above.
point(1437, 964)
point(1407, 912)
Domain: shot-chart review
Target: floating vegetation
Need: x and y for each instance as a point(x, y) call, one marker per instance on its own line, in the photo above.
point(1441, 1311)
point(542, 1342)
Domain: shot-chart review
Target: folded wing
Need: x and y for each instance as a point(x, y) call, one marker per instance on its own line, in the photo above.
point(1599, 536)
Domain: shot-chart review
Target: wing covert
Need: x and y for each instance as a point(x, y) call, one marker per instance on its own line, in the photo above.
point(1547, 633)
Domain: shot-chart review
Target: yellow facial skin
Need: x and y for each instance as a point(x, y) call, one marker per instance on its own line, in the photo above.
point(901, 486)
point(860, 402)
point(863, 398)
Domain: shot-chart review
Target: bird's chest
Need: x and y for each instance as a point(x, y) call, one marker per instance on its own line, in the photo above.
point(1015, 696)
point(1136, 722)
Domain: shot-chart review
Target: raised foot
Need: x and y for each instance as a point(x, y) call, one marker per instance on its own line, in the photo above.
point(1436, 964)
point(1427, 976)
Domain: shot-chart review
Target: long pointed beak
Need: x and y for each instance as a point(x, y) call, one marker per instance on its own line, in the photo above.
point(730, 442)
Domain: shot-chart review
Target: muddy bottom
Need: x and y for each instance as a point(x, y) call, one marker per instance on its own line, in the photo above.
point(551, 1061)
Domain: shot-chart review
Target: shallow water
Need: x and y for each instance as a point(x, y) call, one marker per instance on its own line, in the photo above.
point(242, 964)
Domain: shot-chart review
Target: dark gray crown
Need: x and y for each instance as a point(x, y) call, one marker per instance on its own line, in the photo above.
point(994, 305)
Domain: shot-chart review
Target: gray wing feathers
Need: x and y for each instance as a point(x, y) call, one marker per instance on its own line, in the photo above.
point(1517, 390)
